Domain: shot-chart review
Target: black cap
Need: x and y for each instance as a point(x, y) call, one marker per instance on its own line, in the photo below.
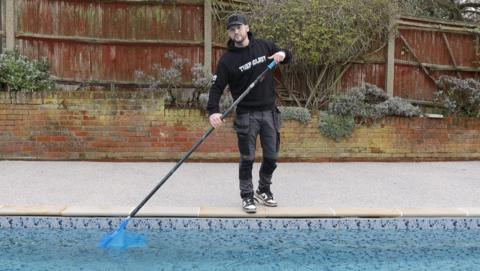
point(235, 19)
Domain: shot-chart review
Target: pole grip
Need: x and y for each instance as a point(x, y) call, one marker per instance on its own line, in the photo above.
point(272, 65)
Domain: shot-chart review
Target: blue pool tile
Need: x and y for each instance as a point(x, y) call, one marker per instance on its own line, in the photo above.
point(106, 223)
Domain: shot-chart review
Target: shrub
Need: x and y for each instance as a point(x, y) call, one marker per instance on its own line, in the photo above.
point(18, 73)
point(201, 81)
point(350, 104)
point(225, 101)
point(166, 79)
point(370, 102)
point(458, 96)
point(397, 107)
point(364, 104)
point(300, 114)
point(336, 127)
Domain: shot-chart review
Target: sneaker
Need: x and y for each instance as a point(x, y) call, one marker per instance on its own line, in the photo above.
point(248, 205)
point(266, 198)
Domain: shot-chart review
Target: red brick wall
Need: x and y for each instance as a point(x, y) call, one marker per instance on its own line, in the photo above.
point(135, 125)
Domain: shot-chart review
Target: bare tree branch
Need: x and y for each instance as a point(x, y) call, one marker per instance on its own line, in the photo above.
point(468, 5)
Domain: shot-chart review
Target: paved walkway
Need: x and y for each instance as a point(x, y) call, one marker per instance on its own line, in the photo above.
point(215, 185)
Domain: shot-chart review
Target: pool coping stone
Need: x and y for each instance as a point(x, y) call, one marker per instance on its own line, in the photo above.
point(227, 212)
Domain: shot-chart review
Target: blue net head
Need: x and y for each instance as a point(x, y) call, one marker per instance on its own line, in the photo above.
point(121, 240)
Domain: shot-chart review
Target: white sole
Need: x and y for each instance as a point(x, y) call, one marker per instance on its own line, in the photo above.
point(260, 200)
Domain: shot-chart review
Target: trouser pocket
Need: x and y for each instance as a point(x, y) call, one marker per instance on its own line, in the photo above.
point(242, 127)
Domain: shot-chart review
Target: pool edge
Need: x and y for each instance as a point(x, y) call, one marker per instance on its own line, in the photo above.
point(215, 212)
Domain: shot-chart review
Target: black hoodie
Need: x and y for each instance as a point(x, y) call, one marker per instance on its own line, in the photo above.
point(238, 68)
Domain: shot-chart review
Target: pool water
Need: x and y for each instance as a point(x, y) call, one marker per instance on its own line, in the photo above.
point(244, 249)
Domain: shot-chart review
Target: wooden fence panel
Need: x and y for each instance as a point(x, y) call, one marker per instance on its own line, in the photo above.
point(424, 50)
point(103, 42)
point(107, 41)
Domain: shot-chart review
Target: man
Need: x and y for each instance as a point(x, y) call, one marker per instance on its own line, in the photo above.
point(245, 59)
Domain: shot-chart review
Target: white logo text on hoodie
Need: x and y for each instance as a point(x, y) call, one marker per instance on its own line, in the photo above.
point(252, 63)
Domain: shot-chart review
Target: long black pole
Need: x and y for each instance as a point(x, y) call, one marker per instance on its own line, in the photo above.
point(195, 146)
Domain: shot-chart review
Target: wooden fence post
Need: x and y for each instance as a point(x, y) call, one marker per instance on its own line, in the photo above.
point(390, 74)
point(207, 36)
point(10, 24)
point(2, 22)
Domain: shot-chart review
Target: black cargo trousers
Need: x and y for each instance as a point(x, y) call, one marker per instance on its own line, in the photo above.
point(249, 126)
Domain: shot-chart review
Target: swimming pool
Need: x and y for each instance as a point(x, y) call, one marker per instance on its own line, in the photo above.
point(67, 243)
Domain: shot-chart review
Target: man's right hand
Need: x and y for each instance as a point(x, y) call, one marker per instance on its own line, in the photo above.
point(216, 120)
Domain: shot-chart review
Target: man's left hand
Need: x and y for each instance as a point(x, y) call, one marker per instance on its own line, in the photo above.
point(278, 56)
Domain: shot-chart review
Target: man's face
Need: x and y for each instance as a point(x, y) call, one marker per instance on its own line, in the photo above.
point(238, 33)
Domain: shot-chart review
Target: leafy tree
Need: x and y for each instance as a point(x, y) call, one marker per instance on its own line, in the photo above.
point(458, 10)
point(324, 36)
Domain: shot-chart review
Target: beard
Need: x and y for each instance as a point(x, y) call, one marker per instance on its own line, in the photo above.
point(239, 39)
